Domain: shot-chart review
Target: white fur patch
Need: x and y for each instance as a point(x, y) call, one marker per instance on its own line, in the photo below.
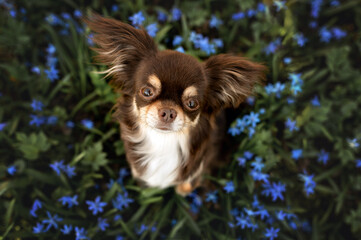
point(163, 155)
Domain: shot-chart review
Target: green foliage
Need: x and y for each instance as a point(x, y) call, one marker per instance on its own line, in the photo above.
point(76, 149)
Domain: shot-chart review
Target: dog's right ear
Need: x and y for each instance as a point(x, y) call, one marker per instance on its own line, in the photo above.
point(121, 47)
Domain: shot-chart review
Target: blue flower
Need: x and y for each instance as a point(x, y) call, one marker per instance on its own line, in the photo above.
point(238, 16)
point(206, 46)
point(36, 120)
point(141, 229)
point(102, 224)
point(296, 82)
point(261, 7)
point(290, 100)
point(122, 201)
point(212, 196)
point(291, 125)
point(358, 163)
point(272, 46)
point(274, 189)
point(323, 157)
point(119, 237)
point(36, 205)
point(257, 164)
point(315, 102)
point(80, 234)
point(234, 212)
point(280, 215)
point(242, 123)
point(297, 154)
point(152, 29)
point(162, 17)
point(234, 131)
point(69, 171)
point(280, 5)
point(110, 184)
point(255, 202)
point(177, 40)
point(248, 155)
point(309, 184)
point(66, 229)
point(52, 120)
point(52, 221)
point(251, 132)
point(242, 161)
point(251, 100)
point(243, 221)
point(69, 200)
point(215, 22)
point(173, 222)
point(66, 16)
point(313, 24)
point(87, 123)
point(52, 73)
point(70, 124)
point(325, 35)
point(295, 78)
point(77, 14)
point(315, 8)
point(251, 13)
point(229, 187)
point(96, 206)
point(271, 233)
point(276, 89)
point(180, 49)
point(51, 61)
point(137, 19)
point(115, 8)
point(287, 60)
point(52, 19)
point(259, 176)
point(253, 119)
point(176, 14)
point(123, 172)
point(51, 49)
point(335, 3)
point(57, 166)
point(338, 33)
point(90, 39)
point(39, 228)
point(249, 212)
point(353, 143)
point(35, 70)
point(301, 40)
point(11, 170)
point(263, 213)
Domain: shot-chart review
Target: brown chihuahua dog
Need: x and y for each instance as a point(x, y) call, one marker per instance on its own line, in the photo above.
point(171, 109)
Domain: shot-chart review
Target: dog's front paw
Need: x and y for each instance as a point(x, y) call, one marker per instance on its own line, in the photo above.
point(184, 189)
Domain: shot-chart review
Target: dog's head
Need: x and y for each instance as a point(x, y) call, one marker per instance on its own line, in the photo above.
point(170, 90)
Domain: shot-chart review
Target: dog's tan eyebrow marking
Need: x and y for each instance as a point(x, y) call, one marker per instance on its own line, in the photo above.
point(190, 92)
point(155, 82)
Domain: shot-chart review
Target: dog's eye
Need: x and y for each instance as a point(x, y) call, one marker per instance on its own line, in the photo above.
point(147, 92)
point(192, 104)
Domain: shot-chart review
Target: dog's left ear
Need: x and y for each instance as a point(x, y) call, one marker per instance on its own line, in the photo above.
point(121, 47)
point(231, 80)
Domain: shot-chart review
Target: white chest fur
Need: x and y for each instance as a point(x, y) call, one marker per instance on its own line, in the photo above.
point(162, 155)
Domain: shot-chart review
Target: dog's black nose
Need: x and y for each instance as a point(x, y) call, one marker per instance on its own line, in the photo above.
point(167, 115)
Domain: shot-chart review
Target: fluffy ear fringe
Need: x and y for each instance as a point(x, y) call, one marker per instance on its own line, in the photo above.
point(231, 79)
point(120, 46)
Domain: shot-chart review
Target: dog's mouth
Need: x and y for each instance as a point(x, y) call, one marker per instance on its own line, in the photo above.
point(164, 128)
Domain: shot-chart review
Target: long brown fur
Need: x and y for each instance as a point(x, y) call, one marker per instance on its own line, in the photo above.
point(223, 81)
